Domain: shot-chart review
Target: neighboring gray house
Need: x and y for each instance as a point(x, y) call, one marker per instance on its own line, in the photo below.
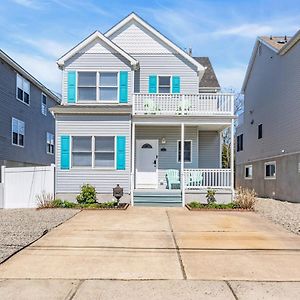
point(27, 128)
point(130, 102)
point(268, 136)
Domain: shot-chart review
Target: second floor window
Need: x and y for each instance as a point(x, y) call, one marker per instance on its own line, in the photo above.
point(23, 89)
point(259, 134)
point(44, 104)
point(50, 143)
point(240, 143)
point(164, 84)
point(187, 151)
point(18, 132)
point(98, 86)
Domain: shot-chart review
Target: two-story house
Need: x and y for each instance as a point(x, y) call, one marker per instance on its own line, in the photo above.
point(140, 112)
point(268, 136)
point(27, 128)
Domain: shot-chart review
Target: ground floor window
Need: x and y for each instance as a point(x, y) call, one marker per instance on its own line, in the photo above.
point(248, 172)
point(187, 151)
point(93, 151)
point(50, 143)
point(270, 170)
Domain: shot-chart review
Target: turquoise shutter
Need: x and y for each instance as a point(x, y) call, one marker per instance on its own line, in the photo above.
point(175, 84)
point(152, 84)
point(121, 152)
point(123, 97)
point(65, 152)
point(71, 87)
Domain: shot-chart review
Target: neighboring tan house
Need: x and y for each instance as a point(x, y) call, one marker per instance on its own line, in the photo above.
point(268, 136)
point(27, 128)
point(130, 103)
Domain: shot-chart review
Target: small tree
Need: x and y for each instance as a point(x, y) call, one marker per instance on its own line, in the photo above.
point(87, 195)
point(210, 196)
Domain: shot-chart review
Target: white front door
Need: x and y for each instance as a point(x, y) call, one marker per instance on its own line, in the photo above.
point(146, 164)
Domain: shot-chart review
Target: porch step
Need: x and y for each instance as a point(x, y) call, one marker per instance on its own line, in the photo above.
point(157, 198)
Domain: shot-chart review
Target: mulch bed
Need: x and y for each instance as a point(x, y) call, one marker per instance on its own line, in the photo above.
point(217, 209)
point(121, 206)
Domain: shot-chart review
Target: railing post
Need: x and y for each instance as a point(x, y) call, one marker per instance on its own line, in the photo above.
point(232, 158)
point(232, 104)
point(183, 104)
point(132, 179)
point(182, 165)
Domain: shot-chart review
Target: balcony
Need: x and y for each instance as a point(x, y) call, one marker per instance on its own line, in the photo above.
point(206, 104)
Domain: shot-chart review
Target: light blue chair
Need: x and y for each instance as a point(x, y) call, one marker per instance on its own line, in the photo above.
point(172, 178)
point(195, 178)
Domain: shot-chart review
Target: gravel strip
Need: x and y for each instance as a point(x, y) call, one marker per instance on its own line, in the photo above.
point(286, 214)
point(20, 227)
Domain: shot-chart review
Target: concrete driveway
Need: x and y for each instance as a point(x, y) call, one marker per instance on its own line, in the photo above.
point(161, 244)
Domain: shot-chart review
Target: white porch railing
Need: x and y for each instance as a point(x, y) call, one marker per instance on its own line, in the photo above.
point(183, 104)
point(204, 178)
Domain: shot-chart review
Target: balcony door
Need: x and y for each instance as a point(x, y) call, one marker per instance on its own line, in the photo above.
point(146, 164)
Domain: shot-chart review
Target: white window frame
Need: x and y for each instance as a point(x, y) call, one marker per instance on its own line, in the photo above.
point(12, 132)
point(44, 106)
point(93, 153)
point(157, 83)
point(22, 80)
point(98, 100)
point(250, 177)
point(265, 170)
point(177, 152)
point(49, 133)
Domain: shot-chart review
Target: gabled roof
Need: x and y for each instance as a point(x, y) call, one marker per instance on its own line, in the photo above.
point(138, 19)
point(279, 44)
point(209, 78)
point(28, 76)
point(87, 41)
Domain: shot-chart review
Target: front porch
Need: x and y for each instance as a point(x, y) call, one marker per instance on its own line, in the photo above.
point(161, 170)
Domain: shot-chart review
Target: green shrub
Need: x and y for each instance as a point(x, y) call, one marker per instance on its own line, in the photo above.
point(196, 204)
point(210, 196)
point(87, 195)
point(230, 205)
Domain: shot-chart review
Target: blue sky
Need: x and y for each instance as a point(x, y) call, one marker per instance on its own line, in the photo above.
point(37, 32)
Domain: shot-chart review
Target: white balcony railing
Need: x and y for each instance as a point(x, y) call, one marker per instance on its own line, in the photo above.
point(183, 104)
point(203, 178)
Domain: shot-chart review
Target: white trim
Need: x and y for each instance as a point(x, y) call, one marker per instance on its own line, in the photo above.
point(90, 39)
point(245, 167)
point(186, 162)
point(269, 163)
point(139, 20)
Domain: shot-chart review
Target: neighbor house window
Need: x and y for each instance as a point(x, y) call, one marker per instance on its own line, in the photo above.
point(187, 151)
point(18, 132)
point(240, 143)
point(270, 170)
point(259, 133)
point(248, 172)
point(23, 89)
point(164, 84)
point(108, 86)
point(105, 151)
point(87, 86)
point(50, 143)
point(98, 86)
point(81, 151)
point(44, 104)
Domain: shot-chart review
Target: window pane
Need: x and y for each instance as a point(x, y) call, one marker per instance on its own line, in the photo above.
point(19, 82)
point(108, 94)
point(104, 159)
point(26, 86)
point(26, 98)
point(187, 151)
point(104, 143)
point(164, 80)
point(21, 127)
point(164, 89)
point(87, 79)
point(82, 159)
point(21, 139)
point(15, 125)
point(82, 143)
point(20, 94)
point(187, 156)
point(86, 93)
point(108, 79)
point(44, 99)
point(15, 138)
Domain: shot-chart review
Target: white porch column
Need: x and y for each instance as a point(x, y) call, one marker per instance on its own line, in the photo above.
point(182, 165)
point(132, 162)
point(232, 156)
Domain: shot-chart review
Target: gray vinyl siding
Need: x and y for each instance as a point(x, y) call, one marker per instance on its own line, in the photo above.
point(69, 181)
point(209, 149)
point(272, 99)
point(36, 124)
point(96, 62)
point(166, 64)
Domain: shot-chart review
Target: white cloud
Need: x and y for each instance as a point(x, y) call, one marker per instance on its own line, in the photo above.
point(29, 3)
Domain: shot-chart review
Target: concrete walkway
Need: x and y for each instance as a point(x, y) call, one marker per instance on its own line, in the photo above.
point(172, 250)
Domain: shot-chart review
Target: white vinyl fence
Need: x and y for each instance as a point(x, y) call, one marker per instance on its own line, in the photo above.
point(21, 186)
